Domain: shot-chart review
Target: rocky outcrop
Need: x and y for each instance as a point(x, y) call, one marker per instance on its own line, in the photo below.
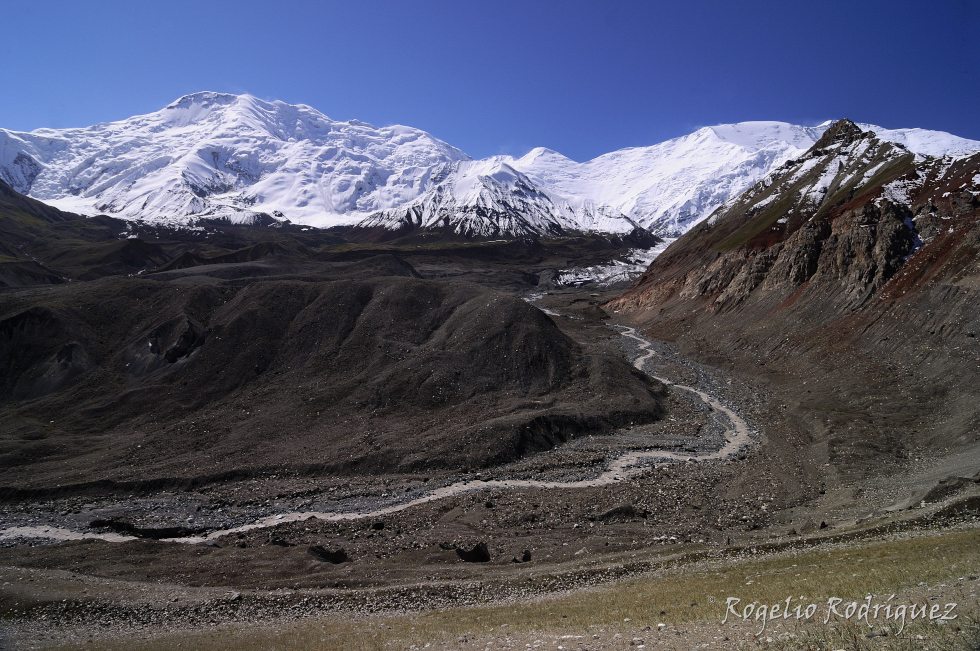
point(334, 557)
point(479, 554)
point(819, 218)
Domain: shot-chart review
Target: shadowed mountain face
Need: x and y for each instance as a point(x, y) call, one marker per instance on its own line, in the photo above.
point(42, 245)
point(133, 379)
point(852, 275)
point(13, 202)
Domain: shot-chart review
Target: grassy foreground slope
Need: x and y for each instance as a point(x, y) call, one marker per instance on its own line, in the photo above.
point(679, 605)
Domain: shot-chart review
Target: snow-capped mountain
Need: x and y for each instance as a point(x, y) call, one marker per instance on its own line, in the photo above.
point(922, 141)
point(672, 185)
point(833, 227)
point(665, 188)
point(215, 155)
point(485, 198)
point(212, 155)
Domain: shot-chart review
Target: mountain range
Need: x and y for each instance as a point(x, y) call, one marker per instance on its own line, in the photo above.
point(236, 157)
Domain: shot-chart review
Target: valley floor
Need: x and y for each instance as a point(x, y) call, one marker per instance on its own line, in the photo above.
point(606, 563)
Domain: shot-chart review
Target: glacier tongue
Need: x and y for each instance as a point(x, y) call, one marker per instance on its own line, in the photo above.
point(212, 155)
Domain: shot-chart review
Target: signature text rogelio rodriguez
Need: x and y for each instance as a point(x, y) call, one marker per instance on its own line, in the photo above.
point(867, 611)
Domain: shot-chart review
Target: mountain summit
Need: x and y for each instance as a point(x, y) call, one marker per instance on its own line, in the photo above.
point(211, 155)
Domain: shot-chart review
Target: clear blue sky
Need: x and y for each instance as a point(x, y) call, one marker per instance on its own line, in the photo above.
point(503, 76)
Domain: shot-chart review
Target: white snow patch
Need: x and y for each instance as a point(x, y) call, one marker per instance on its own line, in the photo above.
point(815, 193)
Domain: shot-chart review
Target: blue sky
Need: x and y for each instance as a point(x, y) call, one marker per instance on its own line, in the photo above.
point(583, 78)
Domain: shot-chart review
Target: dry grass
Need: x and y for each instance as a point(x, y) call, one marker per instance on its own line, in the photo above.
point(689, 596)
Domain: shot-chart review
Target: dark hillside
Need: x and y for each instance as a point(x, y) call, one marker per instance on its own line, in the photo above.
point(135, 379)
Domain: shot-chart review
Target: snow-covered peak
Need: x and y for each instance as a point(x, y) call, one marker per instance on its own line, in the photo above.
point(487, 198)
point(474, 176)
point(232, 156)
point(197, 107)
point(542, 155)
point(203, 98)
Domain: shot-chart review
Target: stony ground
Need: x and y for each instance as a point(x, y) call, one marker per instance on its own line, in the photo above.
point(539, 542)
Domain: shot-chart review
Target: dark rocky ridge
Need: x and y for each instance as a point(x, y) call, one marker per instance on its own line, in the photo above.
point(857, 305)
